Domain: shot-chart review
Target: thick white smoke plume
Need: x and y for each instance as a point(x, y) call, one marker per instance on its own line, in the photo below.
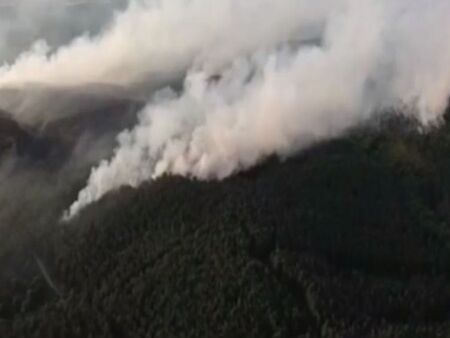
point(162, 38)
point(151, 43)
point(262, 77)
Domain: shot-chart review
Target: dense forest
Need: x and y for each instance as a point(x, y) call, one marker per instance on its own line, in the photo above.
point(350, 238)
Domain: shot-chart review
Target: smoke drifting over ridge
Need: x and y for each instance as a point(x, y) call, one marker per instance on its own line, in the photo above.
point(260, 78)
point(165, 38)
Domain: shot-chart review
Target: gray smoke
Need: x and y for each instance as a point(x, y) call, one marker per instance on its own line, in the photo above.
point(375, 55)
point(149, 44)
point(158, 39)
point(260, 77)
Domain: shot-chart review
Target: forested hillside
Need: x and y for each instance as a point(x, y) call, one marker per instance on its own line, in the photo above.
point(348, 239)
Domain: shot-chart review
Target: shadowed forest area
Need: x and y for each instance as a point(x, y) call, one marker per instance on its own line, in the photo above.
point(350, 238)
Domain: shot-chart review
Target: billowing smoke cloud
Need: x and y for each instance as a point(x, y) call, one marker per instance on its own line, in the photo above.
point(261, 77)
point(374, 55)
point(154, 39)
point(150, 44)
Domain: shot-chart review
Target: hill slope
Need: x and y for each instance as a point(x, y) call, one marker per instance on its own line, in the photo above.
point(349, 239)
